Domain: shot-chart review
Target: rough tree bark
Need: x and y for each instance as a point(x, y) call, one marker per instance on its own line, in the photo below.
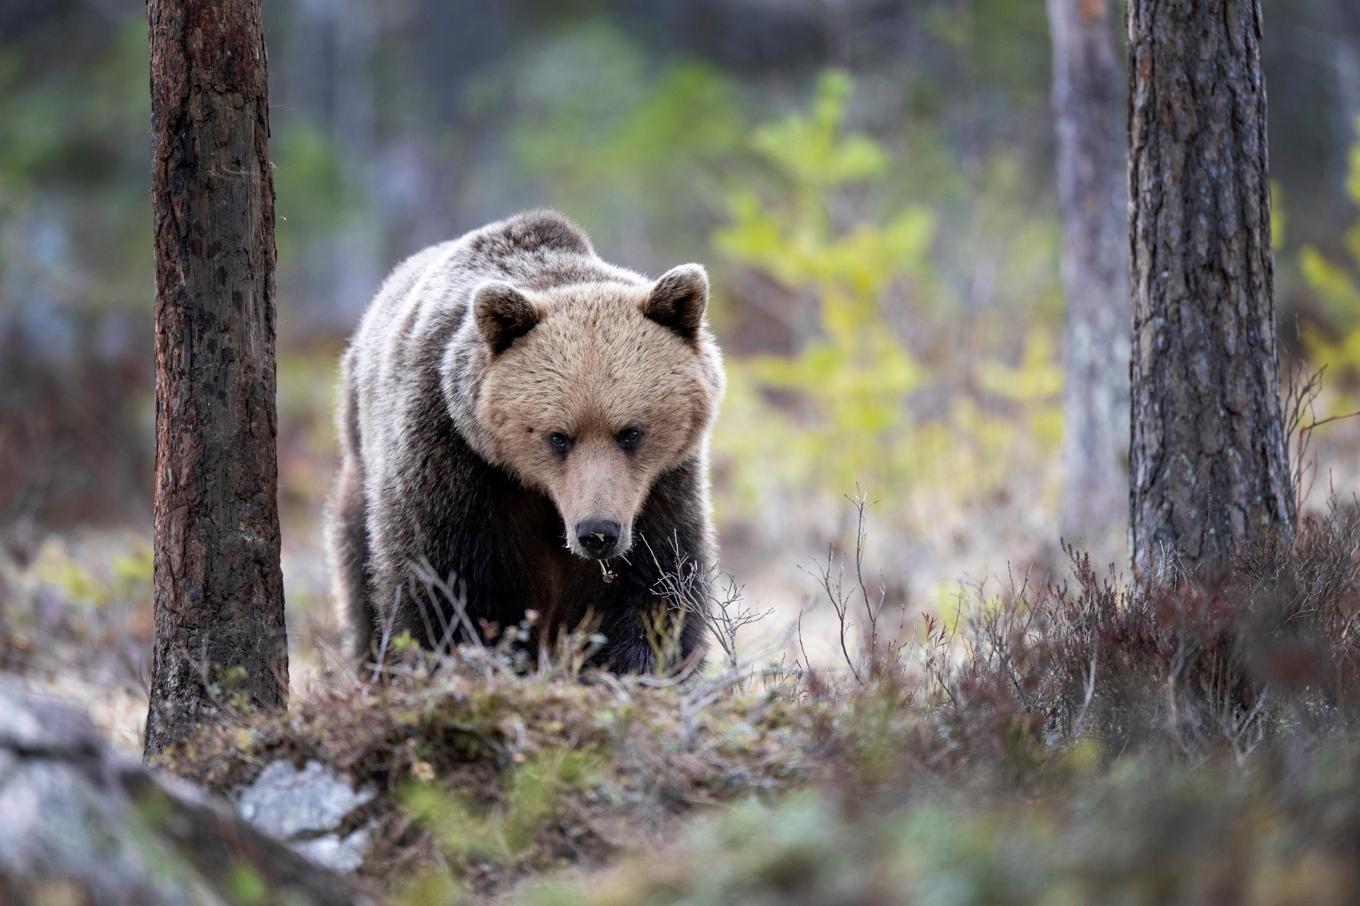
point(218, 584)
point(1088, 111)
point(1209, 461)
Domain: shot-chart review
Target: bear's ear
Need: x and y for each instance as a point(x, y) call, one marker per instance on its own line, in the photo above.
point(503, 313)
point(678, 300)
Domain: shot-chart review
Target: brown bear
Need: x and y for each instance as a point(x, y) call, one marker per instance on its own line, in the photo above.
point(531, 425)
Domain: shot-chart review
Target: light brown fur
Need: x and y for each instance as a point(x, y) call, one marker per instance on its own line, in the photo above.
point(593, 366)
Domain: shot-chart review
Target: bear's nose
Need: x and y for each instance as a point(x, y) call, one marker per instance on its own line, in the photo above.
point(597, 536)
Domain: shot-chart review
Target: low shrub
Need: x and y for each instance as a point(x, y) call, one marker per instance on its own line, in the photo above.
point(1176, 740)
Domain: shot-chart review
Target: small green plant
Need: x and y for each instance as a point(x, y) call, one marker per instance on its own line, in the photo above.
point(504, 831)
point(403, 643)
point(247, 886)
point(126, 577)
point(663, 627)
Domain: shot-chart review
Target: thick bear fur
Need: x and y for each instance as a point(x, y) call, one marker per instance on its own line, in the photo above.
point(477, 364)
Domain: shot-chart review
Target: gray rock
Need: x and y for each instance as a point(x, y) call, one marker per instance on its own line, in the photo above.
point(79, 823)
point(307, 809)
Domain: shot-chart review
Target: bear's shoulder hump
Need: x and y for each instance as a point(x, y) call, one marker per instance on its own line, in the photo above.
point(546, 229)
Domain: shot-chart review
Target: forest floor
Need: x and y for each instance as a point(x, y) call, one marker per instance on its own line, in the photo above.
point(1080, 742)
point(1074, 743)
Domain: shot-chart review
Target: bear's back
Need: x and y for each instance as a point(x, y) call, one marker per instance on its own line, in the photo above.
point(533, 233)
point(537, 250)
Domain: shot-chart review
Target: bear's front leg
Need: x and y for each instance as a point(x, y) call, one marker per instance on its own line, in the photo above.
point(652, 616)
point(404, 599)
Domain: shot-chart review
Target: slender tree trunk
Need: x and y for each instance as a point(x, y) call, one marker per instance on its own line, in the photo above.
point(1209, 462)
point(1088, 110)
point(218, 585)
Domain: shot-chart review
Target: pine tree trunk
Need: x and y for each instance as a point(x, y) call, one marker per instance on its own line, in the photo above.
point(1209, 461)
point(218, 586)
point(1088, 109)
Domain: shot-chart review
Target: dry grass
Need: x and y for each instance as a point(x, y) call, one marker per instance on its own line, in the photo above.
point(555, 767)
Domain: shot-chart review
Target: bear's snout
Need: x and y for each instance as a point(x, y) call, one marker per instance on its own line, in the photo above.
point(598, 537)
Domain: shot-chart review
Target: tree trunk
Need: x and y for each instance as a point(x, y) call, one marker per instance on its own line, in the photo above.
point(1209, 462)
point(1088, 109)
point(220, 634)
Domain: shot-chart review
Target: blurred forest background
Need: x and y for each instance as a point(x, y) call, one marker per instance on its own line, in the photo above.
point(871, 184)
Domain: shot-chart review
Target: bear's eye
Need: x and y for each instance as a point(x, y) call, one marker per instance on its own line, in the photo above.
point(629, 438)
point(559, 443)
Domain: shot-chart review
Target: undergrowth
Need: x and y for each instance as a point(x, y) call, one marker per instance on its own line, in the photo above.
point(1176, 741)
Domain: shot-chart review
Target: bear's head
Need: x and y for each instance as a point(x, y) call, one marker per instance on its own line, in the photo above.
point(588, 393)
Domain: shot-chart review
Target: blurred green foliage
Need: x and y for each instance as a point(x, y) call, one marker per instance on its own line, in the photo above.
point(316, 193)
point(997, 43)
point(1336, 343)
point(69, 131)
point(247, 886)
point(628, 146)
point(840, 413)
point(853, 379)
point(75, 154)
point(75, 218)
point(1143, 832)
